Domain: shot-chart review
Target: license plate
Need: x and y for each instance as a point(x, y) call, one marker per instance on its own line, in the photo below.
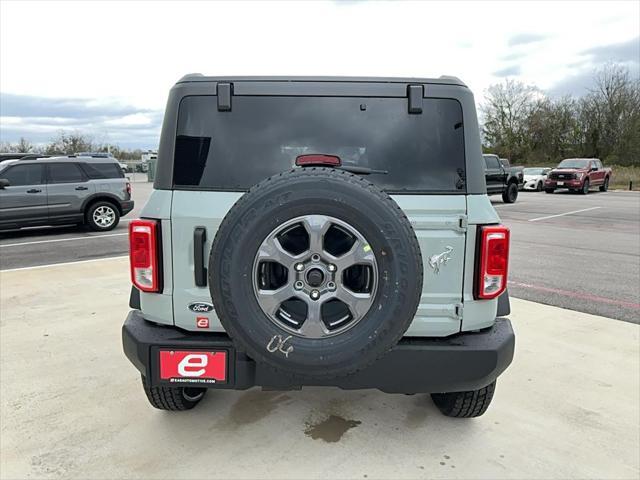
point(193, 366)
point(560, 183)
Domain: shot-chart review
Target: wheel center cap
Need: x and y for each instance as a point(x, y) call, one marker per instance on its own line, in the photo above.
point(315, 277)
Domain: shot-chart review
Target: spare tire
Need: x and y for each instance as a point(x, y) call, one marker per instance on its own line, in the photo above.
point(316, 272)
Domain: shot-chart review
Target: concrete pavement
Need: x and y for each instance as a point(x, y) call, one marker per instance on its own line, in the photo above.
point(72, 405)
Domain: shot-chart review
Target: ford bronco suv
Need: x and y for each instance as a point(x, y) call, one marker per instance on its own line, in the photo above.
point(320, 231)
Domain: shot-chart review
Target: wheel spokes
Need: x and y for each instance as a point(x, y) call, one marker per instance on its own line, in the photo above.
point(359, 254)
point(271, 249)
point(271, 300)
point(358, 303)
point(313, 326)
point(317, 252)
point(316, 226)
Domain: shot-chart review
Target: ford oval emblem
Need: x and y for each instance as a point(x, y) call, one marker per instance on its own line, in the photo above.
point(200, 307)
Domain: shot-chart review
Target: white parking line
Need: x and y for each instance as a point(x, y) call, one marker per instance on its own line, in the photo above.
point(62, 240)
point(563, 214)
point(63, 263)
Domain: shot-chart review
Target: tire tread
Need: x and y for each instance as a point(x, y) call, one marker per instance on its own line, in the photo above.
point(468, 404)
point(166, 398)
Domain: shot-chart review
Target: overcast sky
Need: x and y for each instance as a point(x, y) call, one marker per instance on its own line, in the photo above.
point(105, 68)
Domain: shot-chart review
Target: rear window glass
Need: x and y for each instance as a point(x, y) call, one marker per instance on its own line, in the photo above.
point(262, 136)
point(103, 170)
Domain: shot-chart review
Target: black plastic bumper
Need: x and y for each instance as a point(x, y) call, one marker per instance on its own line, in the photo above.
point(462, 362)
point(126, 206)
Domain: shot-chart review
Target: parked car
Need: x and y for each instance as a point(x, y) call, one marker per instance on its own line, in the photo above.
point(534, 178)
point(502, 178)
point(63, 190)
point(578, 175)
point(264, 258)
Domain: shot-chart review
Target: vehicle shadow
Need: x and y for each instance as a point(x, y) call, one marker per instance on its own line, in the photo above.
point(42, 231)
point(52, 231)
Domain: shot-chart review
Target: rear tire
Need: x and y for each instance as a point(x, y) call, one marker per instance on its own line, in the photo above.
point(102, 216)
point(585, 187)
point(174, 399)
point(549, 190)
point(465, 404)
point(604, 187)
point(511, 193)
point(539, 187)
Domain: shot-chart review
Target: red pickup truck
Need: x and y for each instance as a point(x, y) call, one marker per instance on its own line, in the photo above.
point(578, 175)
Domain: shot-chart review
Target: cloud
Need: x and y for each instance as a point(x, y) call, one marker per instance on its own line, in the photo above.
point(575, 85)
point(508, 71)
point(41, 118)
point(525, 38)
point(623, 52)
point(32, 106)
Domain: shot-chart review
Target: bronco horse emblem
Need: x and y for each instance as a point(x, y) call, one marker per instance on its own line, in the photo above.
point(435, 261)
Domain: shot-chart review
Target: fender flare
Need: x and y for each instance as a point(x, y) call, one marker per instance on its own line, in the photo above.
point(102, 196)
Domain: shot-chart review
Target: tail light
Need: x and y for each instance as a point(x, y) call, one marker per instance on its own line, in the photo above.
point(129, 189)
point(143, 255)
point(493, 261)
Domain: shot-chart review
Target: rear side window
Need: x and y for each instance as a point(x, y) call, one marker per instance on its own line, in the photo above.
point(262, 136)
point(65, 173)
point(23, 175)
point(103, 170)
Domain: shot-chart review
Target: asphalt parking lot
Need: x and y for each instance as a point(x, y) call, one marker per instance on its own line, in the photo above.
point(43, 246)
point(72, 405)
point(576, 251)
point(573, 251)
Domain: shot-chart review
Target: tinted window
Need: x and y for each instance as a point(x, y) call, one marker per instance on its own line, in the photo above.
point(103, 170)
point(491, 161)
point(262, 136)
point(65, 173)
point(23, 175)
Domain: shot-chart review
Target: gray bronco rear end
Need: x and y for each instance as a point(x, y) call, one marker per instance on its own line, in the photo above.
point(414, 141)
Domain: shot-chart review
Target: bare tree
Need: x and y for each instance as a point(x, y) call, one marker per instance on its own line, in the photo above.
point(505, 111)
point(611, 115)
point(69, 144)
point(23, 146)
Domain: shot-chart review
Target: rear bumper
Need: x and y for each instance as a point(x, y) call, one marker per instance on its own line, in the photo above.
point(466, 361)
point(126, 206)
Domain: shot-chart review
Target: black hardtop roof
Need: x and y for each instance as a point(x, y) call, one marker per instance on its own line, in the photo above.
point(442, 80)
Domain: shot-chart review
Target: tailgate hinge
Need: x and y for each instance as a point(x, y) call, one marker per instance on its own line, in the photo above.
point(225, 92)
point(463, 223)
point(459, 310)
point(414, 94)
